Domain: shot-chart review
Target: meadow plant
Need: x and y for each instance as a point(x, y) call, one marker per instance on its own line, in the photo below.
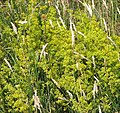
point(59, 56)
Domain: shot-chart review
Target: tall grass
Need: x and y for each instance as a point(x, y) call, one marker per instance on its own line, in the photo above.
point(107, 12)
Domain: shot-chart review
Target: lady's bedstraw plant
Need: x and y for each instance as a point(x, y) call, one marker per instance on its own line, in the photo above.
point(21, 45)
point(55, 60)
point(84, 73)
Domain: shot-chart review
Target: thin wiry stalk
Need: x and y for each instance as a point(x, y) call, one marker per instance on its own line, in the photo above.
point(72, 34)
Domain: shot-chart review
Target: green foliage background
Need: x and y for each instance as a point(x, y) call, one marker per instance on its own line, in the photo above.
point(80, 75)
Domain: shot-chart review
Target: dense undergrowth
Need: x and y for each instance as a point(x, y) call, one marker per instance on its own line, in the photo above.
point(55, 58)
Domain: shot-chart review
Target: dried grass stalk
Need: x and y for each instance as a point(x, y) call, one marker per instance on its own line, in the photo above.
point(14, 27)
point(8, 64)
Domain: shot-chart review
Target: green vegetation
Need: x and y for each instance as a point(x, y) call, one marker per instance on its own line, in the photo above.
point(59, 56)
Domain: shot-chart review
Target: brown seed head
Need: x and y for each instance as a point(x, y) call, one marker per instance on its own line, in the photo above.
point(43, 16)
